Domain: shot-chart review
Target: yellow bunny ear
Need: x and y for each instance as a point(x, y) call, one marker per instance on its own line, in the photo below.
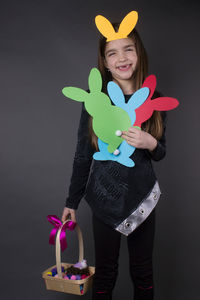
point(128, 24)
point(105, 27)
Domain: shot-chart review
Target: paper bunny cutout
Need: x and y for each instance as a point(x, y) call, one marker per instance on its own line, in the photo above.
point(137, 115)
point(107, 118)
point(144, 112)
point(126, 26)
point(125, 150)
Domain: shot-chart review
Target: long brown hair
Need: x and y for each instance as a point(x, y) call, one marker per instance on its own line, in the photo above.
point(154, 124)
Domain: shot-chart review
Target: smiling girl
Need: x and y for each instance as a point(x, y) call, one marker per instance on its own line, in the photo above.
point(122, 199)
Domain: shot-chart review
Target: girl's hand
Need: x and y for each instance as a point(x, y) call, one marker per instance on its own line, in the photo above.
point(68, 213)
point(139, 139)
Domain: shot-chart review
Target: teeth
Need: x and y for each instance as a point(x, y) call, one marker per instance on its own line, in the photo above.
point(123, 67)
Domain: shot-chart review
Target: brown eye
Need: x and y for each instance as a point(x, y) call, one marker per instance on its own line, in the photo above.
point(111, 54)
point(130, 49)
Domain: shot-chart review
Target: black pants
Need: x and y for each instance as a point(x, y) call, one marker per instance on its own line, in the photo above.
point(140, 248)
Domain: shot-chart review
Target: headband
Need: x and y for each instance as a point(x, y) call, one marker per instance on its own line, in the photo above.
point(126, 26)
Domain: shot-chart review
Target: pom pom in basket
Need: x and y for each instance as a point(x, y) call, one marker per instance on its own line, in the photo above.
point(77, 287)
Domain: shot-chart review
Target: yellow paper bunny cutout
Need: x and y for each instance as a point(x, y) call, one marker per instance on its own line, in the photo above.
point(126, 26)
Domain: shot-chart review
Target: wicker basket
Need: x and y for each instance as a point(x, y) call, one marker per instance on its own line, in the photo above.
point(77, 287)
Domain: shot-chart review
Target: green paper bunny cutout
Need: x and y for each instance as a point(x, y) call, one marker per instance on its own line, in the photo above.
point(107, 118)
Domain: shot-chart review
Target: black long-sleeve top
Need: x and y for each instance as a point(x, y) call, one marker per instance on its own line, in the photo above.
point(113, 191)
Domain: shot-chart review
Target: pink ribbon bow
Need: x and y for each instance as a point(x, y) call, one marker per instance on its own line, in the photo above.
point(54, 220)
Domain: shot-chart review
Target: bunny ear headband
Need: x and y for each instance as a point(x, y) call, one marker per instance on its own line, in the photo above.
point(126, 26)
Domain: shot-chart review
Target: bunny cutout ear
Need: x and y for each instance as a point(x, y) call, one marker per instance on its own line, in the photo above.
point(150, 82)
point(105, 27)
point(138, 98)
point(95, 85)
point(164, 103)
point(126, 26)
point(95, 80)
point(116, 94)
point(128, 23)
point(75, 93)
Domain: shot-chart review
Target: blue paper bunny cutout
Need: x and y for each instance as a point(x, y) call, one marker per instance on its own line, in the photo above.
point(125, 150)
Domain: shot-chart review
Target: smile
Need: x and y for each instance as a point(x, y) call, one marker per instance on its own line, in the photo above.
point(124, 67)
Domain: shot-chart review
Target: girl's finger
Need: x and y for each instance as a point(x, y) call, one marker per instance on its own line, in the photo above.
point(133, 130)
point(64, 214)
point(73, 218)
point(130, 140)
point(124, 133)
point(130, 135)
point(123, 136)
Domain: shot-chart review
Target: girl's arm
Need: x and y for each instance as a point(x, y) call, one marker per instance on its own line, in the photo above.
point(160, 150)
point(82, 163)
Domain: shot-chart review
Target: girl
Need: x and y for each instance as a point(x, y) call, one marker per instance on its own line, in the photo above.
point(121, 198)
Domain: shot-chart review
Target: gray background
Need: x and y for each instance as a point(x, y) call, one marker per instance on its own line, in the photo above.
point(46, 45)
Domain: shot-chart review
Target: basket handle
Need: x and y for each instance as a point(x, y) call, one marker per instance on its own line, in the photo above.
point(58, 252)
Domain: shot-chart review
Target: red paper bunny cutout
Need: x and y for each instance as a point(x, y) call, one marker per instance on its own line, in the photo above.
point(145, 111)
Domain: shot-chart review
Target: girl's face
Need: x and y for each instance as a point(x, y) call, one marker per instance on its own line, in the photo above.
point(121, 59)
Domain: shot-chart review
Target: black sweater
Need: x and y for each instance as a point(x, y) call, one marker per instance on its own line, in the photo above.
point(112, 190)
